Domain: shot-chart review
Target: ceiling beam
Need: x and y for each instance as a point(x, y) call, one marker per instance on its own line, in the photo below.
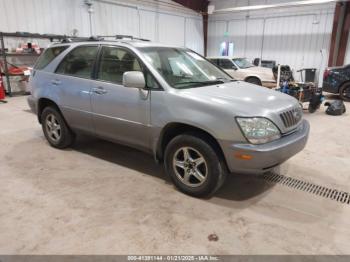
point(340, 33)
point(200, 6)
point(196, 5)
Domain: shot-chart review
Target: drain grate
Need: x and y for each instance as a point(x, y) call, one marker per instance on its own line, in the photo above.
point(333, 194)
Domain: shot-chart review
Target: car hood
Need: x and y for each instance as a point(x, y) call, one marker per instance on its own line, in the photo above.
point(243, 98)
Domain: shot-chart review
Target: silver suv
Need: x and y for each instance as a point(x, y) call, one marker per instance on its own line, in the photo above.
point(168, 101)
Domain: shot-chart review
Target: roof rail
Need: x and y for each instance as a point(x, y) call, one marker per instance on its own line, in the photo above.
point(120, 37)
point(72, 39)
point(81, 39)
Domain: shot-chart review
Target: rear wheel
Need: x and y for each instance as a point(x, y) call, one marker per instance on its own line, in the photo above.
point(194, 166)
point(345, 92)
point(253, 80)
point(55, 128)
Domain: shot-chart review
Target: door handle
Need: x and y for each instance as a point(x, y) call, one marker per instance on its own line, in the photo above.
point(99, 90)
point(56, 82)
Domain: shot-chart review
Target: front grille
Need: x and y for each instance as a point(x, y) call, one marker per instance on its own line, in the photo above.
point(292, 117)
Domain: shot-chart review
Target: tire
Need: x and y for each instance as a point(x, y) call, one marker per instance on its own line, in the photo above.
point(253, 80)
point(345, 89)
point(55, 128)
point(213, 169)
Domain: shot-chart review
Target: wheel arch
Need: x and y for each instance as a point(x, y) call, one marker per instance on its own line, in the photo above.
point(346, 85)
point(174, 129)
point(252, 76)
point(346, 82)
point(43, 103)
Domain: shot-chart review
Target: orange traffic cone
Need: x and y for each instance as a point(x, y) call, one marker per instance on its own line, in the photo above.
point(2, 89)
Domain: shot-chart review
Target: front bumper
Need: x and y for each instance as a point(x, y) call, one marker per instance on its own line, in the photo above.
point(266, 156)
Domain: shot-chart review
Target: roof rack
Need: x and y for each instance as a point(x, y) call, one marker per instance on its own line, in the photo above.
point(68, 39)
point(81, 39)
point(120, 37)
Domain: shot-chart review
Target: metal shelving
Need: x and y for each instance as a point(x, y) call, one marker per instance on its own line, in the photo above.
point(21, 54)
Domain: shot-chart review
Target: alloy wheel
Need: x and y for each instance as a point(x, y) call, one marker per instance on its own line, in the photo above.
point(53, 127)
point(190, 166)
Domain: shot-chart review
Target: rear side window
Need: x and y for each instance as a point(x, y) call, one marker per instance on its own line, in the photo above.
point(79, 62)
point(49, 55)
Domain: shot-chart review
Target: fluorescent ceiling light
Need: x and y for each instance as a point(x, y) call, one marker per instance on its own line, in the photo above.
point(289, 4)
point(211, 9)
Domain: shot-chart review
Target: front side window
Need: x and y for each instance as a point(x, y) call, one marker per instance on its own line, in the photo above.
point(79, 62)
point(242, 63)
point(115, 62)
point(182, 68)
point(48, 56)
point(151, 83)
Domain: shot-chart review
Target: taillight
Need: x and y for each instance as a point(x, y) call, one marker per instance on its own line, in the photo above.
point(326, 73)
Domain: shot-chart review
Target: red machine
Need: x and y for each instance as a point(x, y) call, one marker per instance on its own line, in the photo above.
point(2, 89)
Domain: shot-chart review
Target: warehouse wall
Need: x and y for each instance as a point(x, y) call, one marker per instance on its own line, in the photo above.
point(294, 36)
point(163, 21)
point(347, 54)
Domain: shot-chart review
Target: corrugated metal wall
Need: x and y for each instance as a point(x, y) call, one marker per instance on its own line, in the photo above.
point(293, 36)
point(164, 21)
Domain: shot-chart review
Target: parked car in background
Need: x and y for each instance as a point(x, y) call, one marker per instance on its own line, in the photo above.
point(242, 69)
point(167, 101)
point(264, 63)
point(336, 80)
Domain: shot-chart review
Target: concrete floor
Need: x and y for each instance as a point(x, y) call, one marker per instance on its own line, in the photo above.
point(101, 198)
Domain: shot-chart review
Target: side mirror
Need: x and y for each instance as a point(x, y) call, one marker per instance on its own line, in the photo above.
point(134, 79)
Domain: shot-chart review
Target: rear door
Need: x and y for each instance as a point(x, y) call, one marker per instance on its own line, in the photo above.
point(120, 113)
point(73, 79)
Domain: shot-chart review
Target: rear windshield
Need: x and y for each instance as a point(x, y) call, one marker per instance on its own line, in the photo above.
point(49, 55)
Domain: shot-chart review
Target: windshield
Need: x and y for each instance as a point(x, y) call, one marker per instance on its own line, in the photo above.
point(242, 63)
point(183, 68)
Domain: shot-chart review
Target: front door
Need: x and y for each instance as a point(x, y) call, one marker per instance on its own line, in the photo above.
point(120, 113)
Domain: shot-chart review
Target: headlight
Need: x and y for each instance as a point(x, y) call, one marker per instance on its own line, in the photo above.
point(258, 130)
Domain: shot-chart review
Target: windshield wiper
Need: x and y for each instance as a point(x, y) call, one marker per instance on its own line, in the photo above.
point(210, 82)
point(226, 79)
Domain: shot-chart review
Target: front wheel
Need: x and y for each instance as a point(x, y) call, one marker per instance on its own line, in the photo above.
point(194, 166)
